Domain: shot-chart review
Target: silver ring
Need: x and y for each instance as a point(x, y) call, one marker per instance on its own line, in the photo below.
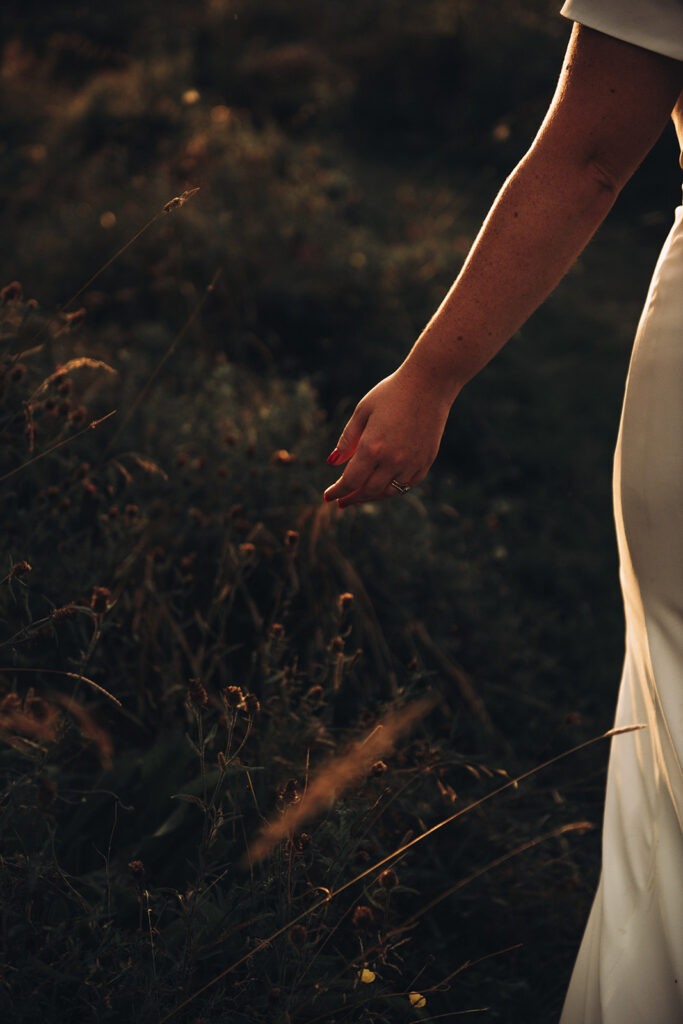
point(402, 488)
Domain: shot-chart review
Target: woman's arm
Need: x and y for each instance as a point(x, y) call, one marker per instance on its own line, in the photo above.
point(611, 104)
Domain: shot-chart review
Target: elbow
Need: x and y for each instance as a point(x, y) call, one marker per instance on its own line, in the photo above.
point(606, 182)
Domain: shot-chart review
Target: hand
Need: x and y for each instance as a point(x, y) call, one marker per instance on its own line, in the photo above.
point(394, 434)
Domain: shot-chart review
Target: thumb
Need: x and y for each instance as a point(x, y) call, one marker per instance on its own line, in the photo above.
point(350, 436)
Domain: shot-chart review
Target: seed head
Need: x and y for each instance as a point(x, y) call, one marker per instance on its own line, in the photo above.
point(277, 630)
point(344, 601)
point(65, 612)
point(137, 870)
point(233, 696)
point(196, 694)
point(251, 704)
point(247, 549)
point(388, 879)
point(363, 918)
point(378, 768)
point(99, 599)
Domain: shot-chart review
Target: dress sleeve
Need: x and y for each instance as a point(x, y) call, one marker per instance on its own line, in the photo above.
point(653, 24)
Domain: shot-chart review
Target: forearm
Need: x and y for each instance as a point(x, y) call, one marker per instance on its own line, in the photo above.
point(541, 220)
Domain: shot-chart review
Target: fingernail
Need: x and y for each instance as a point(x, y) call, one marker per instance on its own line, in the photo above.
point(325, 498)
point(333, 457)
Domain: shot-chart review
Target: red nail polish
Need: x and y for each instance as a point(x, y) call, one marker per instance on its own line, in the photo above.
point(333, 456)
point(325, 498)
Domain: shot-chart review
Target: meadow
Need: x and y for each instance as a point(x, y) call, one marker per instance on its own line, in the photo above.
point(223, 223)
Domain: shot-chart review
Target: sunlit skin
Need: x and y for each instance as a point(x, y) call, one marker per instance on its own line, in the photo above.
point(611, 103)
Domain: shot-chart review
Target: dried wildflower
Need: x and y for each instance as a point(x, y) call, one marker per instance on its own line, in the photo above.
point(363, 918)
point(337, 644)
point(276, 631)
point(65, 612)
point(19, 568)
point(196, 694)
point(17, 372)
point(78, 415)
point(137, 870)
point(297, 935)
point(344, 601)
point(366, 976)
point(99, 599)
point(247, 549)
point(12, 292)
point(388, 879)
point(251, 704)
point(282, 457)
point(233, 696)
point(292, 540)
point(417, 1000)
point(378, 768)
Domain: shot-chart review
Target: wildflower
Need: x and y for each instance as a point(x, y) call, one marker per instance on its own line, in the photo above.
point(17, 372)
point(298, 935)
point(99, 599)
point(292, 540)
point(367, 976)
point(233, 696)
point(417, 1000)
point(344, 601)
point(12, 292)
point(137, 870)
point(251, 704)
point(196, 694)
point(378, 768)
point(276, 630)
point(363, 918)
point(388, 879)
point(19, 568)
point(247, 549)
point(282, 457)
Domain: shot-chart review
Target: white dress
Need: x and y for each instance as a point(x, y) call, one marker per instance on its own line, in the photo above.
point(629, 969)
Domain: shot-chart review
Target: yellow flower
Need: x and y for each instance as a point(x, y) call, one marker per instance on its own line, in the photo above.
point(417, 1000)
point(366, 975)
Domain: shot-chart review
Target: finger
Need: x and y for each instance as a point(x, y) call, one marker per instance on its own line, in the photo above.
point(389, 491)
point(377, 485)
point(357, 473)
point(350, 437)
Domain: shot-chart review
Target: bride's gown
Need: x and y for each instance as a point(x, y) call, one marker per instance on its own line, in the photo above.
point(630, 965)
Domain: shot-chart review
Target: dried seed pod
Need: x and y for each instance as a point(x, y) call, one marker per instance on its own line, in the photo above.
point(251, 704)
point(363, 918)
point(388, 879)
point(99, 599)
point(233, 696)
point(196, 694)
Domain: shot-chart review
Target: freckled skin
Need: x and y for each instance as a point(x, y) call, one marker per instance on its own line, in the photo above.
point(611, 103)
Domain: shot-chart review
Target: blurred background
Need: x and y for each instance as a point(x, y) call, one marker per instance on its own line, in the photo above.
point(345, 155)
